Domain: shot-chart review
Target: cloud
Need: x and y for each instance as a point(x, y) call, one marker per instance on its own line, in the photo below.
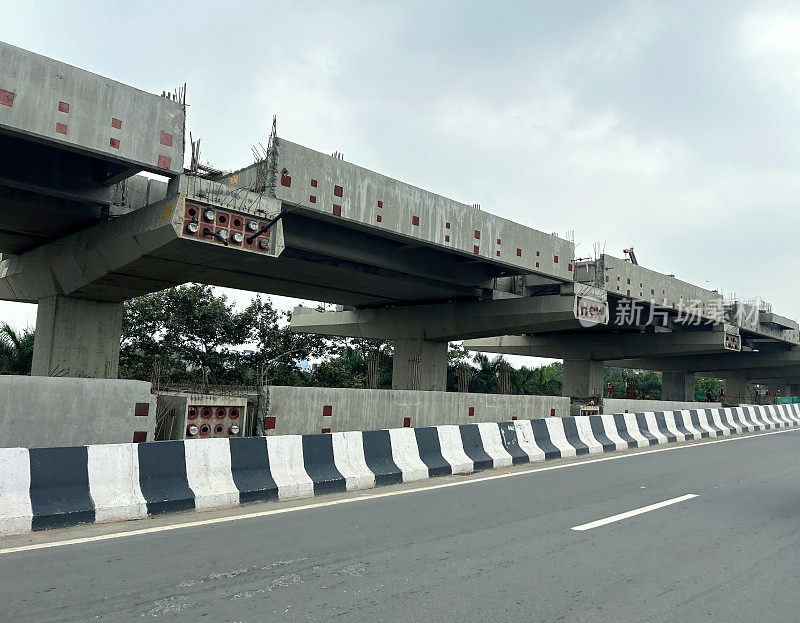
point(771, 46)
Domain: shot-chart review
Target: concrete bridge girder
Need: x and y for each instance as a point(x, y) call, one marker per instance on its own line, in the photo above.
point(605, 346)
point(421, 332)
point(716, 363)
point(444, 321)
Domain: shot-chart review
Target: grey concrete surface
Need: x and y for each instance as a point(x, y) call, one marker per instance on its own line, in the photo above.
point(47, 92)
point(302, 410)
point(77, 337)
point(40, 412)
point(419, 364)
point(582, 378)
point(453, 321)
point(677, 385)
point(490, 550)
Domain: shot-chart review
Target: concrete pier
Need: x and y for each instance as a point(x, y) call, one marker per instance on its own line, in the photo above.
point(677, 385)
point(583, 378)
point(77, 337)
point(420, 364)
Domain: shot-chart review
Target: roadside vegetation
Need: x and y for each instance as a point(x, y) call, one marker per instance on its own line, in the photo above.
point(190, 334)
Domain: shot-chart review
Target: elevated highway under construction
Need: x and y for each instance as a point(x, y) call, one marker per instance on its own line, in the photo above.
point(83, 231)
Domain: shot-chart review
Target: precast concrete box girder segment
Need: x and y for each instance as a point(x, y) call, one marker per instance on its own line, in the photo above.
point(158, 246)
point(320, 185)
point(632, 289)
point(66, 137)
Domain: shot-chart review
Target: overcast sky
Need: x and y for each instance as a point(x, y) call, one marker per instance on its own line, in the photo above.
point(670, 126)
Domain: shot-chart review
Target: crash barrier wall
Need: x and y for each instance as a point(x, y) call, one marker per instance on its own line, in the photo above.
point(306, 410)
point(52, 487)
point(43, 411)
point(625, 405)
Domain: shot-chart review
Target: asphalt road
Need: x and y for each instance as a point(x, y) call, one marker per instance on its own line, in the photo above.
point(500, 549)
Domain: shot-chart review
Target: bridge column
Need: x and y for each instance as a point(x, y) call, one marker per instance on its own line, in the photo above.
point(677, 385)
point(77, 337)
point(737, 391)
point(419, 364)
point(583, 378)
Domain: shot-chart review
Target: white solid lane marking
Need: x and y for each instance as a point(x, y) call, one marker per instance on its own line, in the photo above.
point(371, 496)
point(633, 513)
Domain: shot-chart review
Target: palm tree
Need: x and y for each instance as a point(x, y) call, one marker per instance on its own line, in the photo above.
point(16, 350)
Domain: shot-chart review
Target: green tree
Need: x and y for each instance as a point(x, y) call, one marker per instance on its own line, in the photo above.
point(16, 350)
point(703, 385)
point(542, 381)
point(346, 366)
point(275, 349)
point(648, 383)
point(189, 329)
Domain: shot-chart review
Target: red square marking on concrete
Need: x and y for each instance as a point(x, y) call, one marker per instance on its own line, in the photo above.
point(498, 254)
point(312, 199)
point(513, 417)
point(552, 412)
point(476, 249)
point(325, 431)
point(164, 162)
point(498, 241)
point(314, 183)
point(6, 98)
point(269, 423)
point(380, 204)
point(141, 409)
point(447, 225)
point(447, 238)
point(286, 179)
point(477, 234)
point(116, 123)
point(338, 191)
point(406, 422)
point(166, 139)
point(537, 254)
point(569, 266)
point(337, 210)
point(63, 107)
point(378, 218)
point(415, 220)
point(61, 128)
point(139, 436)
point(114, 142)
point(555, 259)
point(519, 252)
point(327, 410)
point(471, 411)
point(537, 264)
